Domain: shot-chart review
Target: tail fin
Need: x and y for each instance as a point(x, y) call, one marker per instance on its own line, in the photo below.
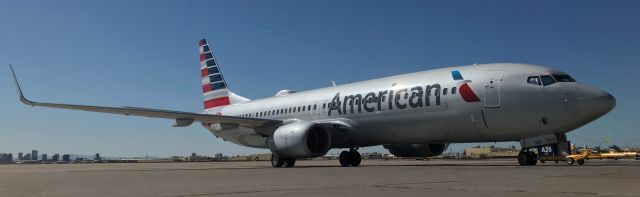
point(214, 88)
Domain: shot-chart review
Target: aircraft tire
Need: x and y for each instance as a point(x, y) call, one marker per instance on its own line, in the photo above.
point(276, 161)
point(570, 161)
point(533, 158)
point(289, 163)
point(523, 159)
point(355, 159)
point(345, 159)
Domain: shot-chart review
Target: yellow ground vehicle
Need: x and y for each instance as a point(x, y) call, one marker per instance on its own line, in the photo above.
point(579, 158)
point(613, 153)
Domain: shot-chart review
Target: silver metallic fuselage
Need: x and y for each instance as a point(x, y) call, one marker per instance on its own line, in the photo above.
point(509, 109)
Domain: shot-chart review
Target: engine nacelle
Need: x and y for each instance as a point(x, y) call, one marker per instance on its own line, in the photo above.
point(300, 140)
point(416, 150)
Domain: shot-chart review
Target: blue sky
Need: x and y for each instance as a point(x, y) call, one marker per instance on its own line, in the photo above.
point(144, 53)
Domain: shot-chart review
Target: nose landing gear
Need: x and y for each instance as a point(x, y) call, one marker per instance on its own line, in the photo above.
point(350, 158)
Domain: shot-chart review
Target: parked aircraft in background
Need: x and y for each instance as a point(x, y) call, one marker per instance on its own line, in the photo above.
point(412, 115)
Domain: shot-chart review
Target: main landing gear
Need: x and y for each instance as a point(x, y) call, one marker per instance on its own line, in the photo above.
point(527, 158)
point(350, 158)
point(277, 161)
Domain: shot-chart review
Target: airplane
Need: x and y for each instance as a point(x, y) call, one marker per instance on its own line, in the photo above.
point(412, 115)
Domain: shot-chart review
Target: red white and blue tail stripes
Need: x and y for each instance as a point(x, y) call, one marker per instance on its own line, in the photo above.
point(214, 88)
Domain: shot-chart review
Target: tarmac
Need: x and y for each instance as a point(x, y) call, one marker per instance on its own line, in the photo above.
point(324, 178)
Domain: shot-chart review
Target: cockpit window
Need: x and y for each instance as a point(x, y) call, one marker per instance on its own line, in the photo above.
point(547, 80)
point(534, 80)
point(564, 78)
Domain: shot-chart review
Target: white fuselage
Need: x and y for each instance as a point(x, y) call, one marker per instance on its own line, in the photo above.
point(404, 109)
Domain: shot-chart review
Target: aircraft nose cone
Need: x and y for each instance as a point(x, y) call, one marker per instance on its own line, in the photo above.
point(595, 102)
point(604, 104)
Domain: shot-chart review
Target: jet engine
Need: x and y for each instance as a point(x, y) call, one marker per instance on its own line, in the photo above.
point(300, 140)
point(416, 150)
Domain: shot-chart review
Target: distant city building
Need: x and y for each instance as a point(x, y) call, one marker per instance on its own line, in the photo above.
point(6, 158)
point(55, 157)
point(219, 156)
point(34, 155)
point(26, 157)
point(66, 158)
point(44, 157)
point(97, 157)
point(490, 152)
point(252, 157)
point(20, 156)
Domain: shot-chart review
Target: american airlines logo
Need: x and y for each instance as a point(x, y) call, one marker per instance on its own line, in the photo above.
point(403, 98)
point(465, 91)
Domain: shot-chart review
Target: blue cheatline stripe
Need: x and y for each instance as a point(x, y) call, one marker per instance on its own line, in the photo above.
point(456, 75)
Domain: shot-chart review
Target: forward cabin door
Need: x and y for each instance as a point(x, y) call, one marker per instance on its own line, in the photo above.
point(492, 88)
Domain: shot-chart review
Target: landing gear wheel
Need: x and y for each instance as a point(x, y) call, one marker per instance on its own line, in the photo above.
point(580, 161)
point(276, 161)
point(570, 161)
point(289, 163)
point(345, 158)
point(533, 158)
point(527, 158)
point(523, 160)
point(356, 159)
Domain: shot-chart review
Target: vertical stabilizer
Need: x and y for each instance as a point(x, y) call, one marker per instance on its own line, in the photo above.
point(214, 87)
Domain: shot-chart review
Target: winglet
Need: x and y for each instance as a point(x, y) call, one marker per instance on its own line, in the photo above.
point(22, 98)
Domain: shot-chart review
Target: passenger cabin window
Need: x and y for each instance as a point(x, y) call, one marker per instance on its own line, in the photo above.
point(444, 92)
point(547, 80)
point(534, 80)
point(564, 78)
point(324, 105)
point(453, 90)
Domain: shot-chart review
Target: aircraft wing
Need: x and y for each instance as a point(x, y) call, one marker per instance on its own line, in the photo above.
point(182, 118)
